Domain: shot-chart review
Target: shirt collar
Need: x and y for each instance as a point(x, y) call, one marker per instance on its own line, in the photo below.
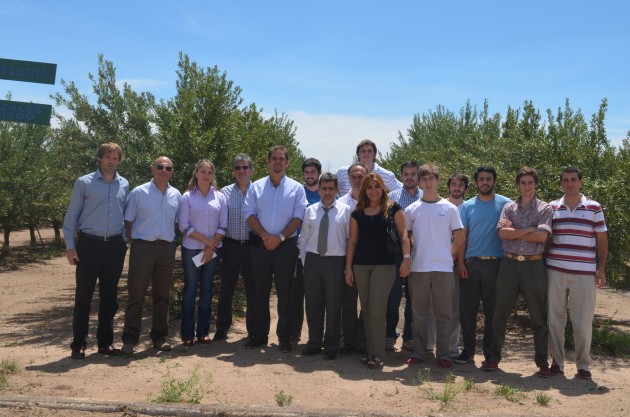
point(582, 201)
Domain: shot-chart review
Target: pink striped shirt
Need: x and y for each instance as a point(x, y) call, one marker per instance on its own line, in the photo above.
point(574, 247)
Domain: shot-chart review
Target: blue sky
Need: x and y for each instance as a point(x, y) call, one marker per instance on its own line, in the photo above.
point(342, 70)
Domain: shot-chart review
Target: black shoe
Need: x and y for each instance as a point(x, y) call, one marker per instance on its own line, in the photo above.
point(219, 336)
point(309, 351)
point(109, 351)
point(78, 353)
point(329, 355)
point(463, 358)
point(285, 346)
point(161, 344)
point(254, 343)
point(346, 349)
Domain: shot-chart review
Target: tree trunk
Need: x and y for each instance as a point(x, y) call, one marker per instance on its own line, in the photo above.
point(31, 229)
point(56, 224)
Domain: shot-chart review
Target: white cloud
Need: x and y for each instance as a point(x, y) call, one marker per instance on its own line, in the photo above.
point(332, 138)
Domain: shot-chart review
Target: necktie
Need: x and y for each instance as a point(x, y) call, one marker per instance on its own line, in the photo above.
point(322, 241)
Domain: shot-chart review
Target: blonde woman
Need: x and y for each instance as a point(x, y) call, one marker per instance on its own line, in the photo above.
point(203, 221)
point(368, 264)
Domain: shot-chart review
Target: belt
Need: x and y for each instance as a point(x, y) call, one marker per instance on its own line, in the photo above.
point(239, 242)
point(521, 258)
point(152, 242)
point(482, 258)
point(100, 238)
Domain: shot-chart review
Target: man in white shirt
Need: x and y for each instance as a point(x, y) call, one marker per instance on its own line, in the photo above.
point(432, 221)
point(366, 153)
point(322, 246)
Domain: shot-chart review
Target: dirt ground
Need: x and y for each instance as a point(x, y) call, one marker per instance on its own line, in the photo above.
point(35, 331)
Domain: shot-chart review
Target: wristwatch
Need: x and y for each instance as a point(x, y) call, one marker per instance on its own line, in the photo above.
point(407, 257)
point(281, 236)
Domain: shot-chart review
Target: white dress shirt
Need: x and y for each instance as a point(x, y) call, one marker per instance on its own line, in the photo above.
point(338, 229)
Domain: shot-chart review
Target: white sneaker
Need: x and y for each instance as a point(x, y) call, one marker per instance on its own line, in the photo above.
point(455, 353)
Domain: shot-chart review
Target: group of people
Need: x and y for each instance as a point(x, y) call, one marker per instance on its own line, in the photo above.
point(359, 234)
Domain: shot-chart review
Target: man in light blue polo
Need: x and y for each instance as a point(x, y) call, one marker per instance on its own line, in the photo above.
point(150, 220)
point(274, 209)
point(478, 263)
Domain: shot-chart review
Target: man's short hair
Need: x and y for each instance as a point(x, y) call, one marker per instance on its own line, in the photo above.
point(458, 176)
point(429, 169)
point(329, 177)
point(365, 142)
point(243, 157)
point(278, 148)
point(357, 164)
point(107, 148)
point(409, 164)
point(485, 168)
point(527, 171)
point(312, 162)
point(570, 170)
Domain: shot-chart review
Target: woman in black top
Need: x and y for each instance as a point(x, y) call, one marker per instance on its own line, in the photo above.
point(369, 265)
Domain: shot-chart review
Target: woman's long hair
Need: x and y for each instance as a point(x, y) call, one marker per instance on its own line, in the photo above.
point(193, 180)
point(363, 200)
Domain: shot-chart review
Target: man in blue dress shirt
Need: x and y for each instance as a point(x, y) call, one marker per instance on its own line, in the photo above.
point(274, 209)
point(150, 220)
point(95, 216)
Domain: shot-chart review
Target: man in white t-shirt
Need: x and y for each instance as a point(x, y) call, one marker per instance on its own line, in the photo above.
point(432, 221)
point(366, 153)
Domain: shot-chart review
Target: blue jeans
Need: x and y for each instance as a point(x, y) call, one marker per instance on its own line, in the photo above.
point(194, 278)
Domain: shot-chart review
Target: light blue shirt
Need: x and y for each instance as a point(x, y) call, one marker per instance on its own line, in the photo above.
point(152, 212)
point(275, 206)
point(480, 220)
point(96, 207)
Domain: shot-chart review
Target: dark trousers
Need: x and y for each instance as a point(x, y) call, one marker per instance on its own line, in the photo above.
point(393, 307)
point(297, 301)
point(103, 261)
point(530, 279)
point(148, 264)
point(323, 288)
point(478, 287)
point(277, 265)
point(236, 258)
point(352, 327)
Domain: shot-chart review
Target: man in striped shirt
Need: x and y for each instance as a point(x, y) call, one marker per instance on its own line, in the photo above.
point(576, 267)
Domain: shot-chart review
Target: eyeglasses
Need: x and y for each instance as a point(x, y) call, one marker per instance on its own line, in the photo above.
point(161, 167)
point(239, 167)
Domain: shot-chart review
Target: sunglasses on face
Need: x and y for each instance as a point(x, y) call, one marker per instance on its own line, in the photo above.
point(241, 167)
point(161, 167)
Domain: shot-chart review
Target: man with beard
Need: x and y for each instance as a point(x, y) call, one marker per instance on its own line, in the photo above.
point(405, 196)
point(311, 170)
point(274, 209)
point(478, 261)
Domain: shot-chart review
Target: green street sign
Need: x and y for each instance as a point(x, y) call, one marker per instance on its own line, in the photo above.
point(20, 112)
point(28, 71)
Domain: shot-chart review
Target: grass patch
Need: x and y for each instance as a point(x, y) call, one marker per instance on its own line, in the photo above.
point(543, 399)
point(7, 366)
point(604, 336)
point(509, 393)
point(14, 257)
point(176, 391)
point(422, 377)
point(469, 384)
point(449, 392)
point(283, 399)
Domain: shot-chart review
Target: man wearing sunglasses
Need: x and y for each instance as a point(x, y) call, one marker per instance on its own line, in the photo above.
point(150, 220)
point(236, 250)
point(95, 217)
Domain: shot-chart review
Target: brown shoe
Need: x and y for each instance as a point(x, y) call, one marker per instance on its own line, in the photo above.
point(188, 342)
point(109, 351)
point(204, 340)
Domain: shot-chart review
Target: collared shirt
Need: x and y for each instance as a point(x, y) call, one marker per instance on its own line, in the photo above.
point(312, 197)
point(152, 212)
point(480, 220)
point(237, 228)
point(432, 224)
point(207, 215)
point(537, 214)
point(388, 178)
point(349, 201)
point(574, 247)
point(338, 229)
point(96, 207)
point(275, 206)
point(403, 198)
